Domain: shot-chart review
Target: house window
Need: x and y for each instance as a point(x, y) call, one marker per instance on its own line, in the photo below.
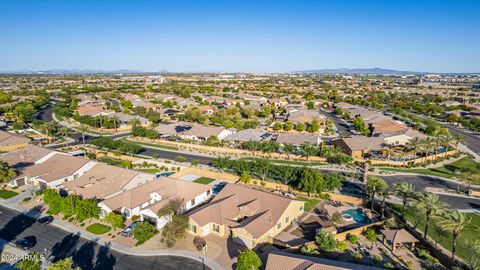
point(208, 192)
point(75, 176)
point(279, 225)
point(192, 202)
point(65, 180)
point(287, 219)
point(216, 228)
point(192, 228)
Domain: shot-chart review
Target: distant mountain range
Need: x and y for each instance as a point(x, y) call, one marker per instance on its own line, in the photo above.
point(371, 71)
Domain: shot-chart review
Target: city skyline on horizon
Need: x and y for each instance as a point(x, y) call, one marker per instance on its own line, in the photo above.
point(244, 37)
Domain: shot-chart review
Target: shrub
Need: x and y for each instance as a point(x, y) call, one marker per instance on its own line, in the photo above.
point(377, 258)
point(325, 241)
point(353, 239)
point(263, 183)
point(388, 265)
point(342, 246)
point(409, 265)
point(199, 242)
point(135, 218)
point(27, 199)
point(357, 256)
point(38, 192)
point(180, 158)
point(255, 182)
point(143, 232)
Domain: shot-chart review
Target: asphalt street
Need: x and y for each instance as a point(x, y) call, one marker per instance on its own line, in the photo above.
point(86, 254)
point(164, 154)
point(472, 140)
point(420, 182)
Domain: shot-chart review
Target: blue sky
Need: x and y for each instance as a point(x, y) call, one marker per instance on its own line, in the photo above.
point(243, 36)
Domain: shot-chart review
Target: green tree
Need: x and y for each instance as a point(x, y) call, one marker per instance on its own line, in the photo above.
point(277, 126)
point(175, 229)
point(300, 127)
point(116, 220)
point(360, 126)
point(430, 204)
point(406, 192)
point(307, 150)
point(374, 185)
point(63, 264)
point(143, 231)
point(289, 148)
point(287, 126)
point(325, 241)
point(371, 235)
point(7, 173)
point(262, 167)
point(454, 222)
point(221, 163)
point(314, 126)
point(32, 263)
point(245, 178)
point(311, 181)
point(248, 260)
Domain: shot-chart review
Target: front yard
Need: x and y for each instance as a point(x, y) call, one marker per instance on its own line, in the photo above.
point(98, 228)
point(7, 194)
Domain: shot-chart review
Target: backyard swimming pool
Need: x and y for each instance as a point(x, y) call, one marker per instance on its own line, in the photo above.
point(357, 215)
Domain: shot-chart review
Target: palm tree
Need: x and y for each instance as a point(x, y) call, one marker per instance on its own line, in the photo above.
point(406, 192)
point(427, 146)
point(65, 132)
point(454, 222)
point(115, 120)
point(458, 139)
point(415, 144)
point(389, 152)
point(429, 203)
point(384, 195)
point(374, 185)
point(83, 129)
point(49, 128)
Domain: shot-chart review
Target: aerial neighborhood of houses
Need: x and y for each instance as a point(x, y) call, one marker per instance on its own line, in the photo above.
point(284, 171)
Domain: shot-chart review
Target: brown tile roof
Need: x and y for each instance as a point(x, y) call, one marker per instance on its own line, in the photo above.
point(167, 187)
point(201, 131)
point(282, 260)
point(262, 210)
point(101, 181)
point(8, 138)
point(57, 167)
point(26, 156)
point(359, 143)
point(398, 236)
point(298, 139)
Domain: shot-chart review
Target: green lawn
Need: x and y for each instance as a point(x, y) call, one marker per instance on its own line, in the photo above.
point(466, 237)
point(447, 171)
point(7, 194)
point(167, 147)
point(150, 170)
point(98, 228)
point(310, 203)
point(204, 180)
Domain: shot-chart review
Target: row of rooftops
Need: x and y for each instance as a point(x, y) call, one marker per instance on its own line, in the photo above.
point(122, 188)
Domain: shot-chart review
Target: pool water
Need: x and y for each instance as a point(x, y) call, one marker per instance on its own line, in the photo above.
point(357, 215)
point(164, 174)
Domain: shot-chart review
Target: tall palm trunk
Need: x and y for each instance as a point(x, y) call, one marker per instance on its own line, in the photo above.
point(373, 200)
point(427, 219)
point(383, 207)
point(454, 244)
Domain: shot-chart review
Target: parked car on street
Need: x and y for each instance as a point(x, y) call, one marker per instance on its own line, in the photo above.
point(45, 220)
point(26, 243)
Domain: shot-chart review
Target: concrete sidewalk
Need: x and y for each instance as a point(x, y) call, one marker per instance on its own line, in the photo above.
point(64, 225)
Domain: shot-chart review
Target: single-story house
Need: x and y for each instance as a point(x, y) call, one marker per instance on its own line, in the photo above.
point(282, 260)
point(357, 146)
point(11, 141)
point(147, 199)
point(103, 181)
point(246, 135)
point(298, 139)
point(305, 116)
point(56, 170)
point(22, 158)
point(247, 215)
point(172, 129)
point(200, 132)
point(404, 137)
